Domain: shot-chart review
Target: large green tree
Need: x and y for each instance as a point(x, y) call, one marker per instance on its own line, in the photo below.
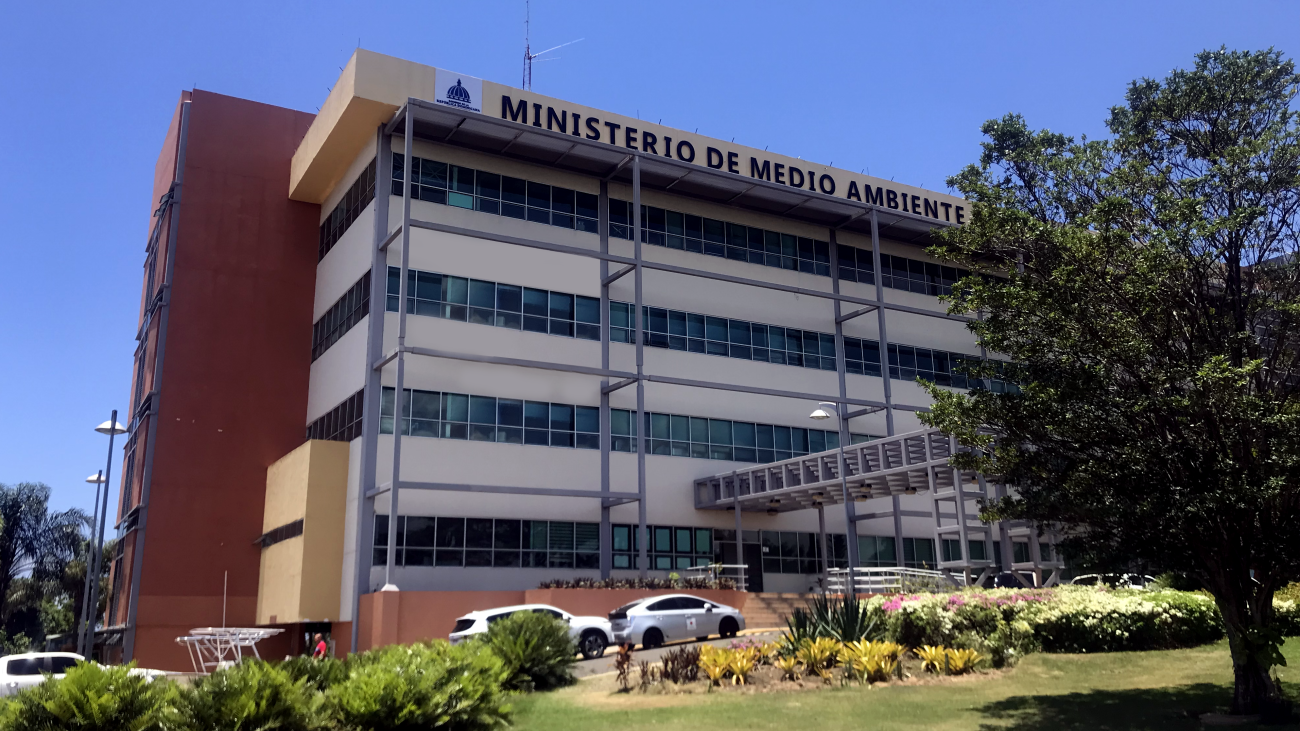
point(1146, 288)
point(37, 547)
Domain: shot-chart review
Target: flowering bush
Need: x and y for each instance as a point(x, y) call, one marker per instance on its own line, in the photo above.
point(1004, 624)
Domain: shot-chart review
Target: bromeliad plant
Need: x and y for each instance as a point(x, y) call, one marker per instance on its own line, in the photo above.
point(819, 656)
point(872, 662)
point(961, 662)
point(933, 659)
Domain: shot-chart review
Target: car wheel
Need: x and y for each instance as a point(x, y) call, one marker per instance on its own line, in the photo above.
point(652, 638)
point(592, 645)
point(728, 627)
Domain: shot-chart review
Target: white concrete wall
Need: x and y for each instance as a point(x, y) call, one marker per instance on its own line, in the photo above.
point(669, 479)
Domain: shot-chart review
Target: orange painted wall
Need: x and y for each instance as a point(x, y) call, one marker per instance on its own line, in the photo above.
point(412, 616)
point(235, 375)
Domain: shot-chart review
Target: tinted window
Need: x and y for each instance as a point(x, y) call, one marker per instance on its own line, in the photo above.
point(664, 605)
point(687, 602)
point(498, 617)
point(25, 666)
point(551, 612)
point(462, 625)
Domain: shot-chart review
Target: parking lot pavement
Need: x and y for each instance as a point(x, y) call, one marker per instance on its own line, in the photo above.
point(605, 664)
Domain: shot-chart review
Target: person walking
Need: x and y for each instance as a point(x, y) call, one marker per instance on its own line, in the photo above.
point(322, 649)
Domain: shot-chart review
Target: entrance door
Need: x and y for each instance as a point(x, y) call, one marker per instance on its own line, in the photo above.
point(753, 566)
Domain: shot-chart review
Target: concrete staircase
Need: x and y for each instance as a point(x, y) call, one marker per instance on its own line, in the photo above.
point(764, 610)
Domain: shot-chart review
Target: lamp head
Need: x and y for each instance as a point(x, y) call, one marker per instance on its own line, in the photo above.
point(111, 427)
point(96, 479)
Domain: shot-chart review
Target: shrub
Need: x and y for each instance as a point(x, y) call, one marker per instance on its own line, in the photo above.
point(1004, 624)
point(92, 698)
point(251, 695)
point(1286, 613)
point(681, 665)
point(536, 648)
point(842, 620)
point(320, 673)
point(417, 687)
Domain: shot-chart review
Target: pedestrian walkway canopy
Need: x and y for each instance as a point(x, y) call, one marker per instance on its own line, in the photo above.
point(903, 464)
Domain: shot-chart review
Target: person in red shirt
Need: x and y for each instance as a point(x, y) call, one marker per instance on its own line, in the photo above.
point(322, 649)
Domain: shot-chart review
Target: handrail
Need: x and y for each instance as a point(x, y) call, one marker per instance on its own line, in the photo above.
point(715, 571)
point(891, 580)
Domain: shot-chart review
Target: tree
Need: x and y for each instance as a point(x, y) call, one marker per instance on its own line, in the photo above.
point(1145, 290)
point(36, 547)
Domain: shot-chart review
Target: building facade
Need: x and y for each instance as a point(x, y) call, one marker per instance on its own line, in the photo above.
point(503, 375)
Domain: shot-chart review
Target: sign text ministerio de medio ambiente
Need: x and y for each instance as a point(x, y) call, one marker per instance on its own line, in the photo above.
point(592, 128)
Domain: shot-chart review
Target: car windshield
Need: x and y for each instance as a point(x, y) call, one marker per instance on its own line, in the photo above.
point(624, 609)
point(38, 665)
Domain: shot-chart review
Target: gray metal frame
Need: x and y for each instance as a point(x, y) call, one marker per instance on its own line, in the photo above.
point(634, 265)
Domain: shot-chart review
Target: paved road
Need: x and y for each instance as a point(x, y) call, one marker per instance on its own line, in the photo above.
point(606, 664)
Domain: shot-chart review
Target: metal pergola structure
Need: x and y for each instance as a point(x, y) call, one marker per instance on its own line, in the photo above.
point(606, 163)
point(904, 464)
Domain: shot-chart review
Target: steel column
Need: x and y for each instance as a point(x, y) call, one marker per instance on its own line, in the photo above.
point(826, 558)
point(606, 529)
point(399, 395)
point(960, 498)
point(100, 484)
point(740, 532)
point(372, 393)
point(850, 524)
point(884, 375)
point(643, 550)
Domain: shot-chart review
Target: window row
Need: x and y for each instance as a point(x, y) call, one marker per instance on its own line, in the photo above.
point(354, 201)
point(488, 542)
point(700, 235)
point(500, 305)
point(880, 551)
point(488, 419)
point(737, 441)
point(479, 190)
point(341, 316)
point(788, 552)
point(281, 533)
point(671, 548)
point(439, 541)
point(897, 272)
point(341, 423)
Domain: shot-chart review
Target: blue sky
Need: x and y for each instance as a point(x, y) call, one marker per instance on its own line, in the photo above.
point(897, 89)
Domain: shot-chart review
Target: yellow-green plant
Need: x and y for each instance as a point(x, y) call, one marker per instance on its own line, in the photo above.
point(962, 661)
point(715, 663)
point(933, 659)
point(789, 667)
point(870, 661)
point(818, 656)
point(742, 663)
point(767, 652)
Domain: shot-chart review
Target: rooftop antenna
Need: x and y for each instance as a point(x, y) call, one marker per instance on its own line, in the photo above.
point(529, 56)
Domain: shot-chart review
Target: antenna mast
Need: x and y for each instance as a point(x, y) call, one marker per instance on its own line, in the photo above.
point(528, 56)
point(528, 49)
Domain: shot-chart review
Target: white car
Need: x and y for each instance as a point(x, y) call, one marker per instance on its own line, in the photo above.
point(19, 672)
point(652, 621)
point(1114, 581)
point(592, 634)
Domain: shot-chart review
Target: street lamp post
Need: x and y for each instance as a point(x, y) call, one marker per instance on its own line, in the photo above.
point(96, 479)
point(822, 412)
point(112, 429)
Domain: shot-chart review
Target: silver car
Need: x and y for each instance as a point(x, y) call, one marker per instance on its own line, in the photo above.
point(652, 621)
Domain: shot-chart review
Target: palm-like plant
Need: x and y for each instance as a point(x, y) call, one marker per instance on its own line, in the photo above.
point(35, 542)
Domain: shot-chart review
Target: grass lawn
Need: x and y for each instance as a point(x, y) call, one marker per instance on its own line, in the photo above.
point(1133, 690)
